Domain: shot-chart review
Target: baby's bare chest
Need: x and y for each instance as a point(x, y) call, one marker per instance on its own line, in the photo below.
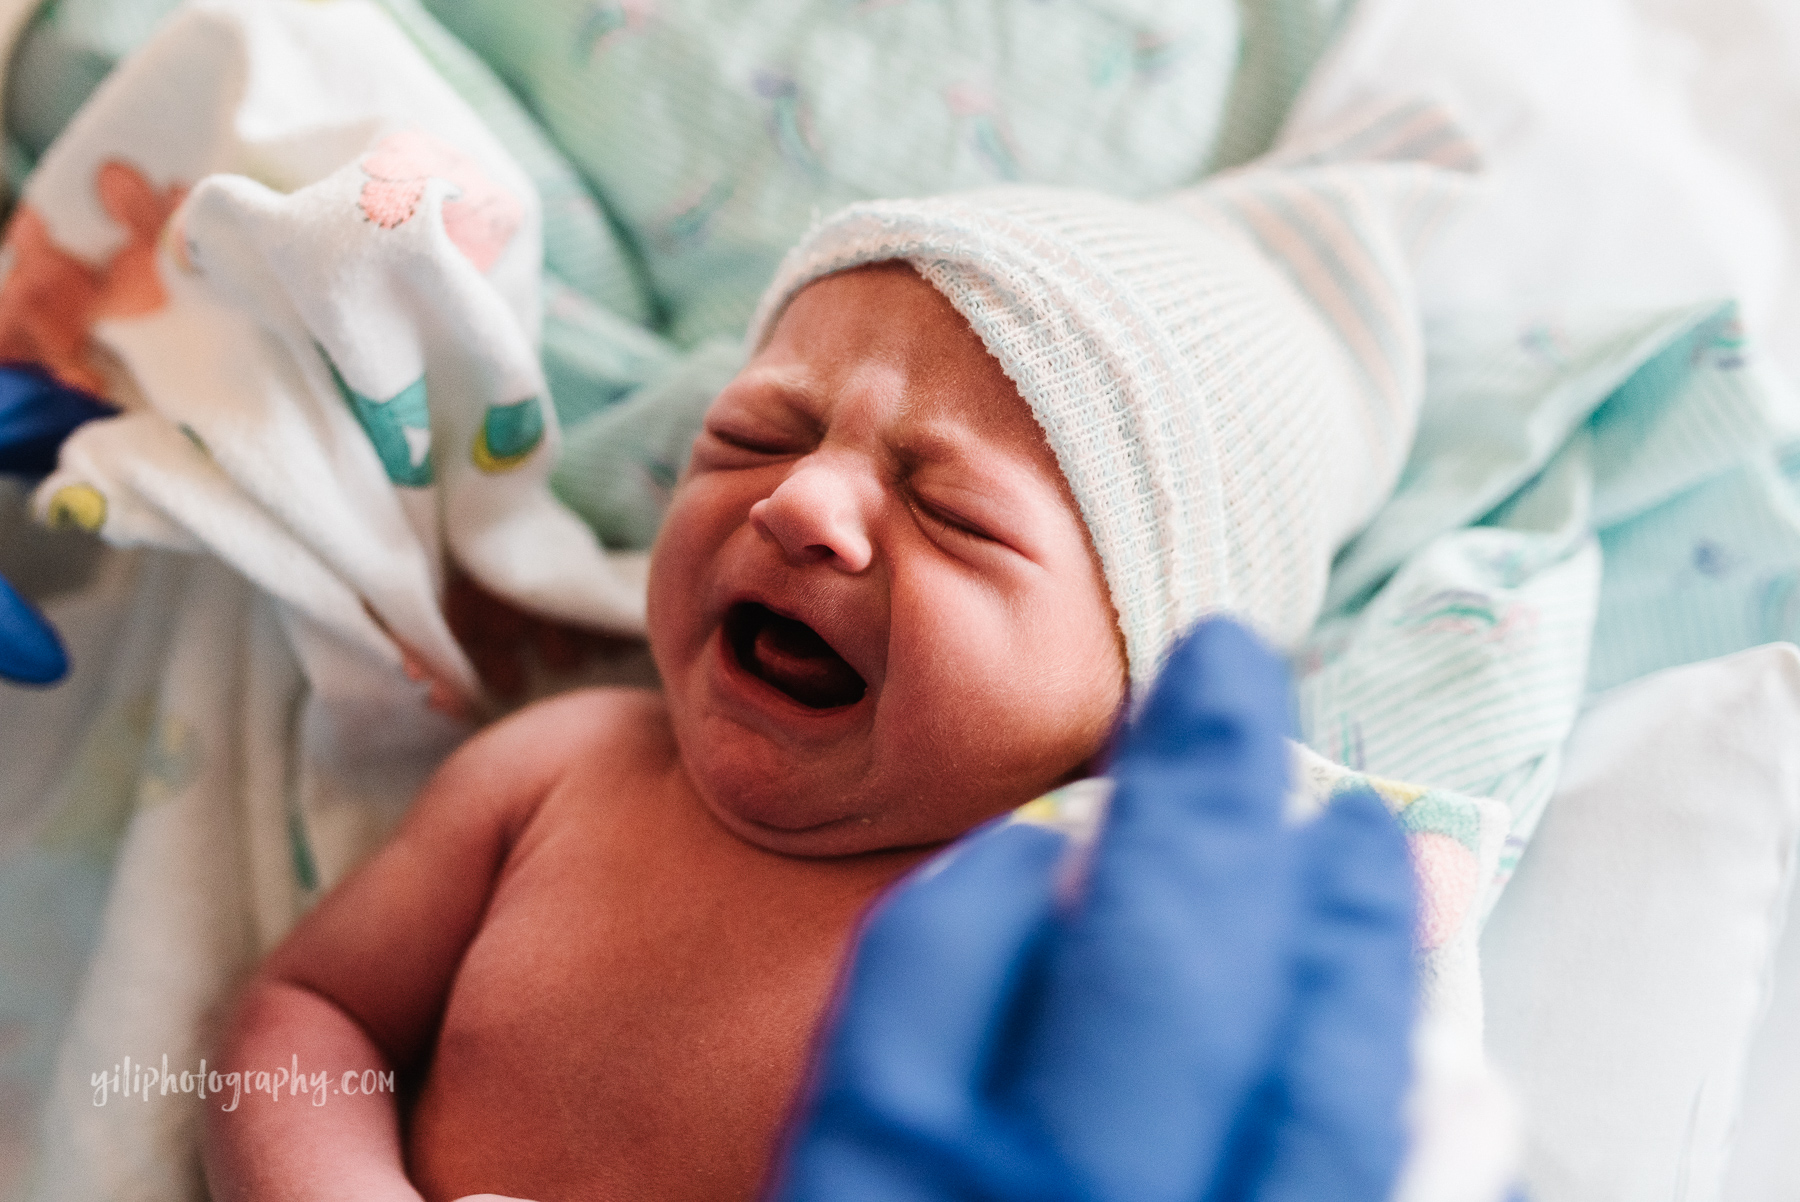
point(634, 1016)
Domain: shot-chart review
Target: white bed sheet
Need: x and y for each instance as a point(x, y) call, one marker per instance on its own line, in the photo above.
point(1641, 152)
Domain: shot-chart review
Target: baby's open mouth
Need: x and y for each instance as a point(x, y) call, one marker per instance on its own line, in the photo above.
point(789, 656)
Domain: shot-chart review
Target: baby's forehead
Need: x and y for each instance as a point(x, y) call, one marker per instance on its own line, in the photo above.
point(880, 342)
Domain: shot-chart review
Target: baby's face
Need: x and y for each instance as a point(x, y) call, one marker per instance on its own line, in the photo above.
point(875, 610)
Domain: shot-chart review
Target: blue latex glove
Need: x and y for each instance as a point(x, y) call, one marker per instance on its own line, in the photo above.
point(36, 415)
point(30, 652)
point(1223, 1011)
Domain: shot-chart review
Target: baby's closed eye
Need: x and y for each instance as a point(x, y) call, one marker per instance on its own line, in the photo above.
point(952, 518)
point(753, 421)
point(992, 507)
point(727, 444)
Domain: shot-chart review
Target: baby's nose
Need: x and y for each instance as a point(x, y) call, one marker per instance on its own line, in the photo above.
point(817, 515)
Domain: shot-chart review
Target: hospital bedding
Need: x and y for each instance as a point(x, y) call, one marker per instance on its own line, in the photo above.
point(1625, 968)
point(1537, 362)
point(1640, 154)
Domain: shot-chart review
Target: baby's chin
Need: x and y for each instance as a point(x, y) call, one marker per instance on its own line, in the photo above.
point(829, 820)
point(860, 793)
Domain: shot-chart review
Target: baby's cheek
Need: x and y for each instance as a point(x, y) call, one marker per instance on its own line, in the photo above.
point(1013, 717)
point(1069, 650)
point(695, 526)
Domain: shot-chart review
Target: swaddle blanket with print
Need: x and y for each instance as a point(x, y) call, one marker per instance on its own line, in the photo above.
point(312, 276)
point(309, 276)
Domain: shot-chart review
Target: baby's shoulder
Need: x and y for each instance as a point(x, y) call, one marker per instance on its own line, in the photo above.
point(518, 762)
point(576, 725)
point(577, 756)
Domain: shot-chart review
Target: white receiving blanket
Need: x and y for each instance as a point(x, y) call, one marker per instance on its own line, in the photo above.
point(328, 356)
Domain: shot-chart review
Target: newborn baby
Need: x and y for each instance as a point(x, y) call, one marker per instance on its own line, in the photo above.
point(952, 510)
point(604, 935)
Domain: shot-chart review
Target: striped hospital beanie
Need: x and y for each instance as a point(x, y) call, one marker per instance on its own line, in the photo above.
point(1229, 377)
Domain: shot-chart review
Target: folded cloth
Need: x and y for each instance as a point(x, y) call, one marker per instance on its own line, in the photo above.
point(346, 369)
point(1456, 646)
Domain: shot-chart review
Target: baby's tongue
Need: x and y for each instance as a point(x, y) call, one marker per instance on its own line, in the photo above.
point(791, 656)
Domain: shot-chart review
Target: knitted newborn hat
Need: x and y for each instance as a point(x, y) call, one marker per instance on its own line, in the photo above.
point(1229, 377)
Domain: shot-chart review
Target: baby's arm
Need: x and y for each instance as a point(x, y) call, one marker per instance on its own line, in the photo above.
point(361, 982)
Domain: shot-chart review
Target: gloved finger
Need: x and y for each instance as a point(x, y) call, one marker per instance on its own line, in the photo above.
point(935, 974)
point(36, 414)
point(1338, 1130)
point(30, 652)
point(1165, 986)
point(927, 1006)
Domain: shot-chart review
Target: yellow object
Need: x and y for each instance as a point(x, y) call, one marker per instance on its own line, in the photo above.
point(508, 435)
point(81, 506)
point(487, 461)
point(1397, 794)
point(1043, 811)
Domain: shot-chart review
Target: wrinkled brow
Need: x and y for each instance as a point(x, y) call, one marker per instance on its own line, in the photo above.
point(785, 398)
point(917, 445)
point(966, 451)
point(790, 386)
